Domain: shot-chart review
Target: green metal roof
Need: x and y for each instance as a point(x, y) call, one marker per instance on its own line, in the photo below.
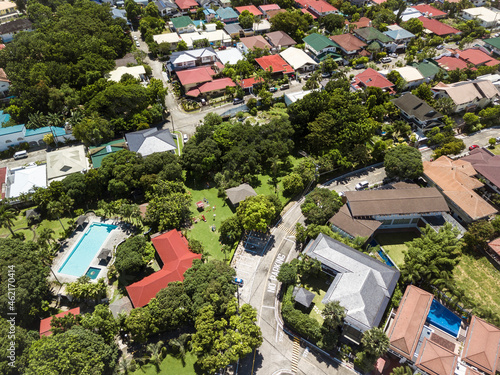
point(371, 33)
point(427, 68)
point(324, 55)
point(319, 42)
point(97, 153)
point(180, 22)
point(495, 42)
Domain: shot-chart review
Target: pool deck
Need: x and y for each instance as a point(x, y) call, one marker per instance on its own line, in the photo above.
point(114, 238)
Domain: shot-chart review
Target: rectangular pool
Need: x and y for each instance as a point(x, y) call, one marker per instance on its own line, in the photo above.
point(78, 261)
point(442, 318)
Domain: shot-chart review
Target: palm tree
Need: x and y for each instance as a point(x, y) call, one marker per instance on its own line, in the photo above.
point(181, 344)
point(36, 120)
point(56, 209)
point(375, 342)
point(45, 235)
point(154, 349)
point(125, 365)
point(67, 203)
point(7, 216)
point(334, 315)
point(402, 370)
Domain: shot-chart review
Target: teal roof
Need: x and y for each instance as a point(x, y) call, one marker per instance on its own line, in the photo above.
point(319, 42)
point(11, 129)
point(46, 129)
point(97, 153)
point(198, 23)
point(180, 22)
point(371, 33)
point(4, 117)
point(226, 13)
point(399, 34)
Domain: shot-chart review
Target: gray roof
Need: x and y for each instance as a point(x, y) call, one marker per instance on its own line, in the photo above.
point(362, 285)
point(16, 25)
point(164, 4)
point(149, 141)
point(122, 305)
point(395, 201)
point(232, 28)
point(240, 193)
point(81, 219)
point(303, 296)
point(104, 254)
point(416, 107)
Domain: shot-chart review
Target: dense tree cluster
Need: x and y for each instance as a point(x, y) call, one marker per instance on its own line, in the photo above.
point(133, 255)
point(403, 162)
point(320, 205)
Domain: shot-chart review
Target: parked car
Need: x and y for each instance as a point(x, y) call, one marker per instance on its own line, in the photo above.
point(473, 147)
point(326, 75)
point(185, 138)
point(386, 60)
point(21, 154)
point(238, 101)
point(285, 86)
point(135, 37)
point(359, 66)
point(498, 139)
point(137, 43)
point(395, 55)
point(238, 281)
point(273, 89)
point(440, 46)
point(362, 185)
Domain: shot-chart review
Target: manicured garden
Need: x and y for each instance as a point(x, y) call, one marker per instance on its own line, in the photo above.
point(318, 286)
point(480, 279)
point(394, 244)
point(170, 365)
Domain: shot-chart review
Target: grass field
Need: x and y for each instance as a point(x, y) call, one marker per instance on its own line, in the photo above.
point(394, 244)
point(171, 365)
point(480, 279)
point(319, 286)
point(496, 149)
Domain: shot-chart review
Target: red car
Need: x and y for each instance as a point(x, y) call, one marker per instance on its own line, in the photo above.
point(473, 147)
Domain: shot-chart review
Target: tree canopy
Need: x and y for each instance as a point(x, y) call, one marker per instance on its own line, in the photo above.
point(404, 162)
point(320, 205)
point(256, 213)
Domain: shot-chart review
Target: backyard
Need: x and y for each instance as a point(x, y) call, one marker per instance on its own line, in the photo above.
point(170, 365)
point(318, 286)
point(480, 279)
point(495, 150)
point(394, 244)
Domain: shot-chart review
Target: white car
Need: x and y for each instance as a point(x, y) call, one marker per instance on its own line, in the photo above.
point(393, 55)
point(185, 138)
point(362, 185)
point(137, 44)
point(386, 60)
point(135, 37)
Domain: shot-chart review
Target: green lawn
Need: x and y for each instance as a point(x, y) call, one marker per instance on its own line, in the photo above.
point(496, 149)
point(319, 286)
point(480, 279)
point(394, 244)
point(171, 365)
point(179, 140)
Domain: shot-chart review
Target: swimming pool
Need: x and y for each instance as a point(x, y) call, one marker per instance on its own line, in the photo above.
point(78, 261)
point(442, 318)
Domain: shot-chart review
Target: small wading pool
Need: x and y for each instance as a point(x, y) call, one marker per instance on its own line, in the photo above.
point(442, 318)
point(78, 261)
point(93, 272)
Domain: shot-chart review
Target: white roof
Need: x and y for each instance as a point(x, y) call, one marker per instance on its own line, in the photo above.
point(230, 56)
point(4, 5)
point(297, 58)
point(292, 97)
point(22, 180)
point(394, 27)
point(136, 71)
point(408, 14)
point(216, 36)
point(409, 73)
point(484, 14)
point(263, 25)
point(152, 145)
point(62, 163)
point(189, 38)
point(167, 38)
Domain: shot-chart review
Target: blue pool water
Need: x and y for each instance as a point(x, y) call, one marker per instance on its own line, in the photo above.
point(77, 263)
point(385, 258)
point(442, 318)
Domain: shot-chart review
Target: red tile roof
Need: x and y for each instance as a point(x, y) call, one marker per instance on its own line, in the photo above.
point(215, 85)
point(451, 63)
point(437, 27)
point(3, 175)
point(495, 245)
point(251, 8)
point(363, 22)
point(405, 331)
point(45, 323)
point(305, 11)
point(173, 250)
point(276, 62)
point(250, 82)
point(370, 77)
point(186, 4)
point(436, 360)
point(267, 7)
point(430, 10)
point(319, 6)
point(196, 75)
point(475, 56)
point(482, 346)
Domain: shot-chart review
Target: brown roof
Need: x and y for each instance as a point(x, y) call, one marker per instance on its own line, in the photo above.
point(482, 346)
point(454, 179)
point(256, 41)
point(436, 360)
point(3, 76)
point(280, 38)
point(348, 42)
point(395, 201)
point(354, 227)
point(409, 321)
point(240, 193)
point(485, 163)
point(271, 13)
point(469, 91)
point(363, 22)
point(495, 245)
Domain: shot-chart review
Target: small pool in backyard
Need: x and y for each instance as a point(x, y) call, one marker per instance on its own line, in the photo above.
point(93, 272)
point(78, 261)
point(442, 318)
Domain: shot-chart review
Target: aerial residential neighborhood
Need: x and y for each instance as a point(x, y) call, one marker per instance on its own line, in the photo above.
point(244, 187)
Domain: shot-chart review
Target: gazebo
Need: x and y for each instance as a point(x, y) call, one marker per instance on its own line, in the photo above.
point(81, 220)
point(303, 296)
point(32, 215)
point(104, 254)
point(239, 193)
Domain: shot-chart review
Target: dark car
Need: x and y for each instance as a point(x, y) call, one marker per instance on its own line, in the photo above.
point(238, 101)
point(285, 86)
point(473, 147)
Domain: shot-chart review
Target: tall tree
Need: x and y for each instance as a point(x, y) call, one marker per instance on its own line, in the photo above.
point(375, 342)
point(7, 216)
point(256, 213)
point(404, 162)
point(320, 205)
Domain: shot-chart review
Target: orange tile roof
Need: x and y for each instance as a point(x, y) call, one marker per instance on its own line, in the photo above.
point(482, 346)
point(409, 321)
point(251, 8)
point(186, 4)
point(305, 11)
point(250, 82)
point(196, 75)
point(45, 323)
point(450, 63)
point(454, 179)
point(215, 85)
point(495, 245)
point(426, 8)
point(173, 250)
point(274, 62)
point(475, 56)
point(436, 360)
point(363, 22)
point(370, 77)
point(437, 27)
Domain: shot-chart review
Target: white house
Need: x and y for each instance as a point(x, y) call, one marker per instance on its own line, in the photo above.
point(171, 38)
point(22, 180)
point(411, 75)
point(62, 163)
point(298, 59)
point(138, 72)
point(488, 17)
point(14, 135)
